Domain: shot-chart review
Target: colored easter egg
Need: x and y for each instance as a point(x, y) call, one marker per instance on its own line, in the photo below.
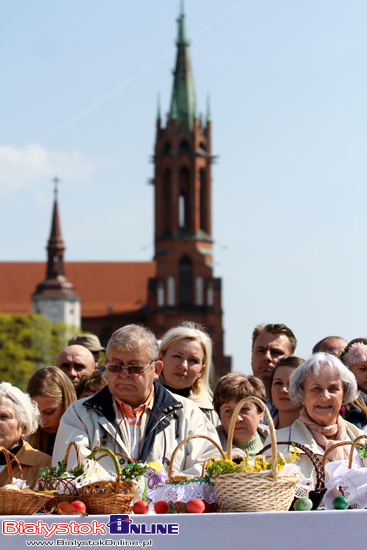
point(141, 507)
point(302, 504)
point(195, 506)
point(340, 503)
point(161, 507)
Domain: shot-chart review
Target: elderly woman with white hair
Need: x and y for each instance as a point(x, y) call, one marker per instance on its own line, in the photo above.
point(186, 353)
point(322, 384)
point(19, 418)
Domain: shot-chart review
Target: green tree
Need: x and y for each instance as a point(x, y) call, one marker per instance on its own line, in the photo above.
point(28, 342)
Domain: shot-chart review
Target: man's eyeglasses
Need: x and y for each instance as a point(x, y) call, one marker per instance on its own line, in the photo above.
point(131, 369)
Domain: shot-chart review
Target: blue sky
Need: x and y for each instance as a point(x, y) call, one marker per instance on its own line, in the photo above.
point(287, 82)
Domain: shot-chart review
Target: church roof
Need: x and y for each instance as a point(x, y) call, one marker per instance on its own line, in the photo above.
point(103, 287)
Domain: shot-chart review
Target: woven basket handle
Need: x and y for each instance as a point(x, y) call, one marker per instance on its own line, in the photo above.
point(117, 454)
point(264, 408)
point(342, 444)
point(70, 446)
point(7, 455)
point(170, 470)
point(113, 457)
point(320, 472)
point(119, 477)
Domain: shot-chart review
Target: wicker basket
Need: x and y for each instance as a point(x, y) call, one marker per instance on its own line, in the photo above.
point(347, 484)
point(342, 444)
point(181, 507)
point(317, 494)
point(22, 502)
point(64, 486)
point(108, 497)
point(255, 491)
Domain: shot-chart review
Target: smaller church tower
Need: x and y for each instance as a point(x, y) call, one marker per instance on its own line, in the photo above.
point(55, 297)
point(184, 287)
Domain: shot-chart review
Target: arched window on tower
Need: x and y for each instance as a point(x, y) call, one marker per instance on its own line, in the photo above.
point(166, 148)
point(181, 210)
point(171, 291)
point(203, 201)
point(210, 294)
point(184, 146)
point(166, 199)
point(185, 281)
point(199, 291)
point(160, 294)
point(184, 198)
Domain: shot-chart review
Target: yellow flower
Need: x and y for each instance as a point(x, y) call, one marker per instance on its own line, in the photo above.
point(294, 455)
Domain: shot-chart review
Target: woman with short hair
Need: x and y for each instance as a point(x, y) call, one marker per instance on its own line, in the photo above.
point(18, 419)
point(322, 384)
point(249, 432)
point(186, 353)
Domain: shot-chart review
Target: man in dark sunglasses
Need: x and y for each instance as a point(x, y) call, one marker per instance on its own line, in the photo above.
point(135, 415)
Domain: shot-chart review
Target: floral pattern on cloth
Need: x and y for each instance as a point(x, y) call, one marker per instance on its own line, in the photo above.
point(351, 483)
point(184, 492)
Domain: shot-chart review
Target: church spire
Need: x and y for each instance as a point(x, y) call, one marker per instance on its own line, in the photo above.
point(56, 282)
point(183, 93)
point(55, 297)
point(55, 247)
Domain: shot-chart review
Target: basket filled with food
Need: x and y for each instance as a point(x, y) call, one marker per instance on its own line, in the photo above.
point(59, 481)
point(313, 488)
point(255, 484)
point(15, 497)
point(114, 495)
point(188, 494)
point(346, 479)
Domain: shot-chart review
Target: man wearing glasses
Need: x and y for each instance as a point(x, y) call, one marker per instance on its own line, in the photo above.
point(135, 415)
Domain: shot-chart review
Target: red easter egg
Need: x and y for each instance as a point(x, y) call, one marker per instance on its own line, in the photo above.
point(161, 507)
point(195, 506)
point(141, 507)
point(208, 507)
point(77, 506)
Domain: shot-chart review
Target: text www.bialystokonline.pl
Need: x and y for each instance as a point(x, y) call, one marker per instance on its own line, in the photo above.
point(79, 543)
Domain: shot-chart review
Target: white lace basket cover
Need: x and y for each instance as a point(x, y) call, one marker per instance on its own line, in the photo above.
point(353, 484)
point(184, 492)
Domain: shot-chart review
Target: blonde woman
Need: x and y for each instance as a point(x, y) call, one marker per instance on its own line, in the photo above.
point(53, 392)
point(186, 353)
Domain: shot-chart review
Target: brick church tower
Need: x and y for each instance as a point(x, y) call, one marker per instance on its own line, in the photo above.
point(184, 287)
point(55, 297)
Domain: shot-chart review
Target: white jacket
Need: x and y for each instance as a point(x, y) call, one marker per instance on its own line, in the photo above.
point(91, 422)
point(299, 433)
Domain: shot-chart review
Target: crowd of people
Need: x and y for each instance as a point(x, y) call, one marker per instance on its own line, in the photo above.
point(150, 395)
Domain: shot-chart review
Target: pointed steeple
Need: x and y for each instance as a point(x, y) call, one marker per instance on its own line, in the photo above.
point(55, 247)
point(55, 282)
point(174, 109)
point(208, 111)
point(183, 94)
point(158, 107)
